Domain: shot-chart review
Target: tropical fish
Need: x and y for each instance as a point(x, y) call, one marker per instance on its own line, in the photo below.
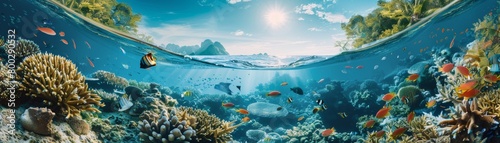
point(125, 66)
point(462, 88)
point(410, 116)
point(279, 108)
point(463, 70)
point(446, 67)
point(469, 94)
point(431, 103)
point(405, 100)
point(46, 30)
point(359, 67)
point(380, 134)
point(228, 105)
point(490, 78)
point(300, 118)
point(320, 101)
point(315, 110)
point(147, 61)
point(74, 44)
point(64, 41)
point(123, 51)
point(384, 112)
point(284, 83)
point(369, 124)
point(61, 34)
point(398, 132)
point(442, 30)
point(245, 119)
point(342, 114)
point(90, 62)
point(273, 93)
point(124, 103)
point(186, 93)
point(289, 100)
point(224, 87)
point(33, 35)
point(297, 90)
point(323, 107)
point(495, 61)
point(239, 87)
point(348, 67)
point(267, 139)
point(242, 111)
point(412, 77)
point(88, 44)
point(328, 132)
point(452, 41)
point(389, 96)
point(321, 80)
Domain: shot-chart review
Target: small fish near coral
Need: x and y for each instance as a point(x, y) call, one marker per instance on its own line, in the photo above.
point(410, 116)
point(147, 61)
point(245, 119)
point(242, 111)
point(289, 100)
point(382, 113)
point(224, 87)
point(369, 124)
point(186, 93)
point(228, 105)
point(300, 118)
point(328, 132)
point(279, 108)
point(342, 114)
point(273, 94)
point(297, 90)
point(284, 83)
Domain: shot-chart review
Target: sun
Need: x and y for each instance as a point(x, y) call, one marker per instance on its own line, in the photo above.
point(276, 17)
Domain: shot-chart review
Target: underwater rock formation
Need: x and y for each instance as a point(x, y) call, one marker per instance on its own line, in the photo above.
point(38, 120)
point(264, 109)
point(111, 79)
point(169, 128)
point(79, 126)
point(59, 85)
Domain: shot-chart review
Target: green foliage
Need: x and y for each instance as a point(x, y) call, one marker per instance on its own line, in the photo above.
point(389, 18)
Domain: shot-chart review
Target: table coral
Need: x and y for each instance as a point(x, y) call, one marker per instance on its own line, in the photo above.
point(56, 81)
point(111, 78)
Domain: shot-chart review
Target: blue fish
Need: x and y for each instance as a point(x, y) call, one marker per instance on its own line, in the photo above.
point(224, 87)
point(494, 60)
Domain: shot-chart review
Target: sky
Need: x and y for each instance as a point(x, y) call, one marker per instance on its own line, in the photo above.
point(244, 27)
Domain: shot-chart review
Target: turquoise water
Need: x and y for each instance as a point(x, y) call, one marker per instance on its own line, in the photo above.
point(375, 68)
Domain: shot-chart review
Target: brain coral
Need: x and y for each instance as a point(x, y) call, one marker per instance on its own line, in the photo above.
point(264, 109)
point(56, 81)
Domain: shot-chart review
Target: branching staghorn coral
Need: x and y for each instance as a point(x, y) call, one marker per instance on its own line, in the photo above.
point(490, 102)
point(469, 118)
point(209, 128)
point(423, 129)
point(111, 78)
point(56, 81)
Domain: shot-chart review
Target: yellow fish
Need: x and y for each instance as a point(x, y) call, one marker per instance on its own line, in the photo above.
point(186, 93)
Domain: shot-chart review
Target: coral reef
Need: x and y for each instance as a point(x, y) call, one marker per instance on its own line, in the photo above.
point(108, 99)
point(490, 102)
point(60, 85)
point(108, 132)
point(263, 109)
point(38, 120)
point(111, 79)
point(256, 135)
point(169, 128)
point(208, 127)
point(469, 120)
point(78, 125)
point(24, 48)
point(306, 132)
point(411, 95)
point(6, 83)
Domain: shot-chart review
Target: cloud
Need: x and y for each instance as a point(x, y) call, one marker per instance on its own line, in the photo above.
point(314, 29)
point(240, 33)
point(332, 18)
point(300, 19)
point(333, 1)
point(236, 1)
point(308, 8)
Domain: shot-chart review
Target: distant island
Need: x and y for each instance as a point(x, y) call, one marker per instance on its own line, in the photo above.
point(389, 18)
point(206, 47)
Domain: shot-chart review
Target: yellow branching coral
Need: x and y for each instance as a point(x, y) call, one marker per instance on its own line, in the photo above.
point(111, 78)
point(209, 128)
point(490, 102)
point(423, 129)
point(56, 81)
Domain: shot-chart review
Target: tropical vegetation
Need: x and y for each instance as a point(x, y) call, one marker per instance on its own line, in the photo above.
point(388, 18)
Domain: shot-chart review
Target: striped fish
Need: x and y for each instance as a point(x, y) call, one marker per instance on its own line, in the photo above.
point(147, 61)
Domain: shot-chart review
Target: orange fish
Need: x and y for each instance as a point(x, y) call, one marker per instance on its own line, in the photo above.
point(74, 44)
point(359, 67)
point(273, 93)
point(490, 78)
point(245, 119)
point(410, 116)
point(446, 67)
point(463, 70)
point(412, 77)
point(300, 118)
point(466, 86)
point(46, 30)
point(284, 83)
point(88, 44)
point(64, 41)
point(369, 124)
point(348, 67)
point(90, 62)
point(389, 96)
point(469, 94)
point(328, 132)
point(430, 103)
point(442, 30)
point(228, 105)
point(242, 111)
point(398, 132)
point(452, 41)
point(384, 112)
point(380, 134)
point(61, 34)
